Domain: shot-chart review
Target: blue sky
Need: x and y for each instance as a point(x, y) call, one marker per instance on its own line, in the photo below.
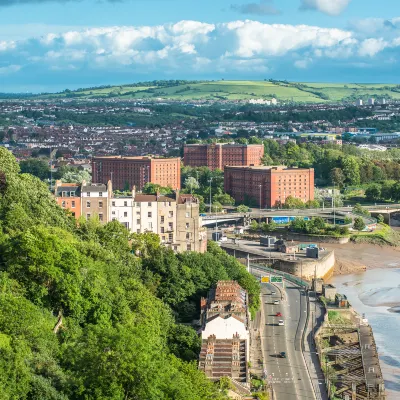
point(48, 45)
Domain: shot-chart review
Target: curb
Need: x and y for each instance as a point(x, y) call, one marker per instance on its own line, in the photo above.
point(303, 347)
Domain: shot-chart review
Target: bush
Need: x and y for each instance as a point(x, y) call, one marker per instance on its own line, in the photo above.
point(359, 224)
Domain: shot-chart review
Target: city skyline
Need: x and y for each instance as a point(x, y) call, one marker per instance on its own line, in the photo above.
point(53, 45)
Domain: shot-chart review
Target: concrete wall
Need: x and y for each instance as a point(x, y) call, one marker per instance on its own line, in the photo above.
point(307, 268)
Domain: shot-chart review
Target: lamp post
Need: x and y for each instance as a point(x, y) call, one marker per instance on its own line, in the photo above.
point(259, 221)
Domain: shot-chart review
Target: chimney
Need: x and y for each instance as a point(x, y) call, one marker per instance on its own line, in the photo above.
point(177, 192)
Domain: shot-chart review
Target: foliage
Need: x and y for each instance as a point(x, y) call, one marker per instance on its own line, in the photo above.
point(76, 177)
point(191, 183)
point(293, 202)
point(358, 209)
point(317, 226)
point(224, 199)
point(380, 218)
point(359, 224)
point(36, 167)
point(242, 208)
point(154, 188)
point(254, 226)
point(373, 192)
point(266, 228)
point(119, 335)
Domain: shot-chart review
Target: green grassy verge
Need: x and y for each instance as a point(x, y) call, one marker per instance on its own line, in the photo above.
point(383, 236)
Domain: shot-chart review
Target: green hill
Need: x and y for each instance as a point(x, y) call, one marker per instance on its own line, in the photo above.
point(240, 90)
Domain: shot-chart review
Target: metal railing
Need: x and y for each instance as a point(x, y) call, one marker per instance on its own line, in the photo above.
point(285, 275)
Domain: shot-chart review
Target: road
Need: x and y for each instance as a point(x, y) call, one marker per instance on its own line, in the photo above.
point(288, 376)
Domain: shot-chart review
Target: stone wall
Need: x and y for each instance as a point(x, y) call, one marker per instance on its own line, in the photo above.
point(308, 268)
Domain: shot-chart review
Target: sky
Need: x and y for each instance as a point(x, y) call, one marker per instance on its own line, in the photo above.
point(51, 45)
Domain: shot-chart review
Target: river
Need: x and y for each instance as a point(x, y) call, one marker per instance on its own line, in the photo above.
point(376, 293)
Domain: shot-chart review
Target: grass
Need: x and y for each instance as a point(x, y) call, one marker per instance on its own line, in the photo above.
point(337, 318)
point(384, 235)
point(245, 90)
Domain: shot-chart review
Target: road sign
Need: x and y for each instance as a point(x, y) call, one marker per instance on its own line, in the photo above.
point(265, 279)
point(276, 279)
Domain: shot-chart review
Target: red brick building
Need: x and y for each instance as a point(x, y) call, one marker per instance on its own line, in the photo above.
point(277, 184)
point(126, 172)
point(218, 155)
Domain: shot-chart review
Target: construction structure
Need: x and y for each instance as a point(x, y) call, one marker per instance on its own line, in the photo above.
point(348, 356)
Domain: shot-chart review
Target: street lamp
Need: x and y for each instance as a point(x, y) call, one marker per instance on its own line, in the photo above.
point(210, 180)
point(259, 221)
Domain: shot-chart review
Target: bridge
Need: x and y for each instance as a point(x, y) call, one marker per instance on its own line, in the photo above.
point(326, 213)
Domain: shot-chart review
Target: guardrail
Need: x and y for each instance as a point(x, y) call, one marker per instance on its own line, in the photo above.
point(285, 275)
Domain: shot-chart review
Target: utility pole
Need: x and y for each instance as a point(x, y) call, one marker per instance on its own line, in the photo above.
point(210, 180)
point(333, 200)
point(259, 221)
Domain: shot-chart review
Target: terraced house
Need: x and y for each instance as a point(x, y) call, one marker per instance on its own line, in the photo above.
point(225, 332)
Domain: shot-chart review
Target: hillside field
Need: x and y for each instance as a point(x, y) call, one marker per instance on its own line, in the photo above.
point(241, 90)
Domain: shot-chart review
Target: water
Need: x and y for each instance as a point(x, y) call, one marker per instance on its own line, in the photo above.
point(376, 293)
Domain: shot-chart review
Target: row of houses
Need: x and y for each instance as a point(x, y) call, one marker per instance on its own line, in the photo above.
point(175, 218)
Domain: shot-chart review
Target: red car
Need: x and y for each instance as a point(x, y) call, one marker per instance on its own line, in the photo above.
point(278, 314)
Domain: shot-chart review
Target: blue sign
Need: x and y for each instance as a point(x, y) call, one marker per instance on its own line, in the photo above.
point(286, 220)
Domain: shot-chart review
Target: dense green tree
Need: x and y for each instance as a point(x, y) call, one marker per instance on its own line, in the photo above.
point(37, 167)
point(242, 208)
point(293, 202)
point(359, 224)
point(373, 192)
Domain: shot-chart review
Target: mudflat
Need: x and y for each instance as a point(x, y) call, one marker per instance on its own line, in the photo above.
point(352, 257)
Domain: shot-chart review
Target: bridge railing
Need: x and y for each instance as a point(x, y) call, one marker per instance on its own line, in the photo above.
point(285, 275)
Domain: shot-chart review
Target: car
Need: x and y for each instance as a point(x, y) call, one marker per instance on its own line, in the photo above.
point(273, 292)
point(276, 302)
point(281, 322)
point(278, 314)
point(203, 215)
point(282, 354)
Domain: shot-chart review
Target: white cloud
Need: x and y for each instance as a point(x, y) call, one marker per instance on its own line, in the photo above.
point(370, 47)
point(10, 69)
point(193, 47)
point(303, 64)
point(330, 7)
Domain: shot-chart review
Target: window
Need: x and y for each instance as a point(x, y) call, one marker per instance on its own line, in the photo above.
point(113, 203)
point(187, 214)
point(88, 204)
point(63, 204)
point(171, 214)
point(137, 204)
point(113, 213)
point(149, 214)
point(125, 214)
point(100, 204)
point(137, 212)
point(100, 194)
point(150, 224)
point(88, 194)
point(187, 236)
point(87, 216)
point(72, 194)
point(171, 237)
point(101, 216)
point(162, 219)
point(125, 203)
point(138, 230)
point(170, 226)
point(73, 204)
point(149, 204)
point(162, 229)
point(138, 221)
point(188, 247)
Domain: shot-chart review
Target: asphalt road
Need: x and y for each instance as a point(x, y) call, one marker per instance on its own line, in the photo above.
point(288, 376)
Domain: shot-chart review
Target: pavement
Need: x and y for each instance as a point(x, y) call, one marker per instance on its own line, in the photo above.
point(315, 320)
point(288, 376)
